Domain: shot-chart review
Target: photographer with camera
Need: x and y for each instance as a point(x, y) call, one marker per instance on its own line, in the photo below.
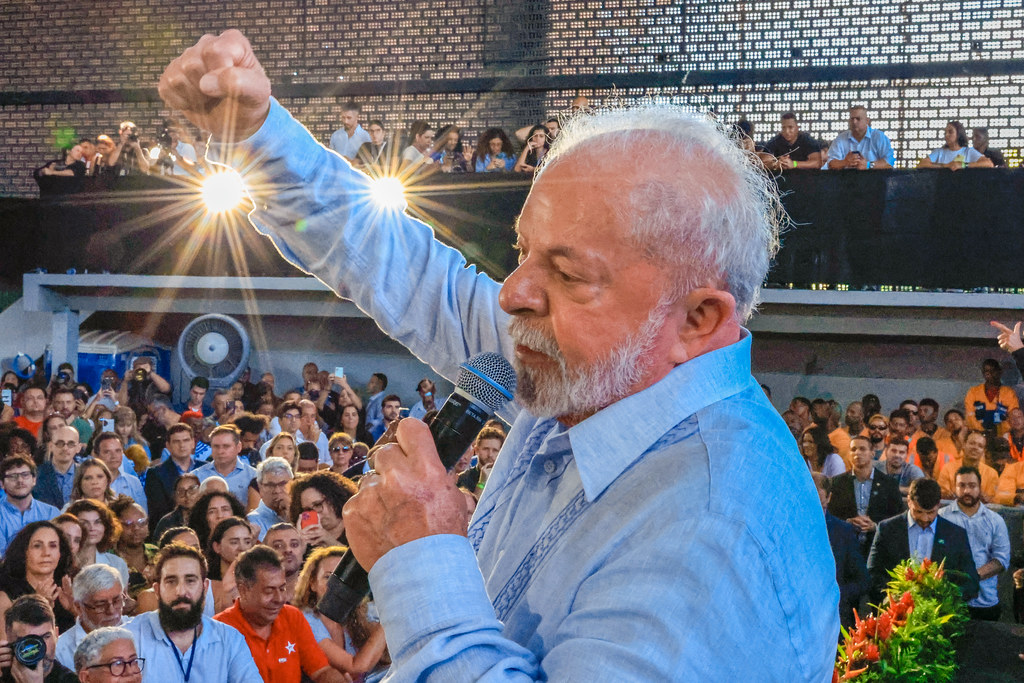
point(141, 385)
point(176, 156)
point(128, 157)
point(28, 656)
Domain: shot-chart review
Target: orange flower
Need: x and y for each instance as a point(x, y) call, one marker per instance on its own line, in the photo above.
point(871, 652)
point(853, 673)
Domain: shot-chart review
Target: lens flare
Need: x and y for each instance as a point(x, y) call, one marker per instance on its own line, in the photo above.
point(388, 192)
point(223, 191)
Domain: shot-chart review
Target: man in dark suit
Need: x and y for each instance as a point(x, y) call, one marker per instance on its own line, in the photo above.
point(865, 496)
point(851, 571)
point(161, 478)
point(922, 533)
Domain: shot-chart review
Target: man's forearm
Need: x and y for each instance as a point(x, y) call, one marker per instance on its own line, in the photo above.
point(319, 213)
point(990, 568)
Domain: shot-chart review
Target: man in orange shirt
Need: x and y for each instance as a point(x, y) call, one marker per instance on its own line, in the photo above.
point(840, 438)
point(928, 414)
point(974, 455)
point(988, 405)
point(1015, 435)
point(1011, 485)
point(33, 409)
point(277, 634)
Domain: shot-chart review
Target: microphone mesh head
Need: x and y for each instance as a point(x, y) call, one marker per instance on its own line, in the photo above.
point(488, 378)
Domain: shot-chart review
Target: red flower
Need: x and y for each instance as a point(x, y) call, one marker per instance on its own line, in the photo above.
point(835, 675)
point(907, 600)
point(884, 626)
point(909, 574)
point(926, 563)
point(871, 652)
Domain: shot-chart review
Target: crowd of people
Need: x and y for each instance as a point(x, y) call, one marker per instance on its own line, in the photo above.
point(423, 147)
point(918, 481)
point(206, 529)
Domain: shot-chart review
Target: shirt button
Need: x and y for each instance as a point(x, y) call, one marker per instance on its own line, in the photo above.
point(549, 466)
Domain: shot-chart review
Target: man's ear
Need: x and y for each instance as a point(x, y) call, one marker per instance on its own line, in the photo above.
point(704, 317)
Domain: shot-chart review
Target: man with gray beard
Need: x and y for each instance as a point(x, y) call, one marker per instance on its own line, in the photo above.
point(617, 537)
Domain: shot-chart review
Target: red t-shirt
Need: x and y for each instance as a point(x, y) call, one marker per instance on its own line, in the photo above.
point(28, 424)
point(290, 649)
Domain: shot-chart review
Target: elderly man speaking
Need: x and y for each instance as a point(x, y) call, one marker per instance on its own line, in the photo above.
point(649, 517)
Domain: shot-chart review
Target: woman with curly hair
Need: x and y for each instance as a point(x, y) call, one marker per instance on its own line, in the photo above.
point(37, 561)
point(493, 152)
point(358, 645)
point(211, 508)
point(104, 530)
point(324, 493)
point(820, 453)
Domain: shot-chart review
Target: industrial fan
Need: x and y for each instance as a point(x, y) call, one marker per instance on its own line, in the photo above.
point(216, 347)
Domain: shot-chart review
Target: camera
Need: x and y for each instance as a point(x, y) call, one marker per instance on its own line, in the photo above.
point(29, 650)
point(63, 376)
point(140, 375)
point(164, 138)
point(106, 384)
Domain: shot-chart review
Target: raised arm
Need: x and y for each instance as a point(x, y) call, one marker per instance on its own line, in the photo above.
point(317, 210)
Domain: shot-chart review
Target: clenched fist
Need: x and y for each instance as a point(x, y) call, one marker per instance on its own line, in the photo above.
point(219, 85)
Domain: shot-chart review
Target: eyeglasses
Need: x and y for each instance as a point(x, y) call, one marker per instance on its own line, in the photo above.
point(290, 416)
point(188, 491)
point(135, 523)
point(878, 427)
point(271, 486)
point(15, 476)
point(340, 449)
point(119, 667)
point(105, 606)
point(317, 507)
point(65, 444)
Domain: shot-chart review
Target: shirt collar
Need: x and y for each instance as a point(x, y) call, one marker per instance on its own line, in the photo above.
point(912, 523)
point(609, 441)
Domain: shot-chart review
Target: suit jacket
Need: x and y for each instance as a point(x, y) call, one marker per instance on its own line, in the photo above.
point(851, 571)
point(885, 501)
point(160, 481)
point(47, 489)
point(892, 545)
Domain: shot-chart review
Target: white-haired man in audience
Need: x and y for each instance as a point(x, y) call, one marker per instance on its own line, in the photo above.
point(640, 436)
point(272, 475)
point(99, 601)
point(109, 654)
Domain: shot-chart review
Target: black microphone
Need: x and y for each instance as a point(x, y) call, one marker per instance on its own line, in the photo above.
point(486, 382)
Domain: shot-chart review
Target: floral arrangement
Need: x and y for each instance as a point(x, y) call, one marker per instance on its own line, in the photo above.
point(911, 639)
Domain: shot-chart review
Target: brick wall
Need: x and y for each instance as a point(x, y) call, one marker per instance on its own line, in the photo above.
point(120, 44)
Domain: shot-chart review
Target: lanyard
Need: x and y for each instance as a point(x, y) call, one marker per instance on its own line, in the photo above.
point(191, 658)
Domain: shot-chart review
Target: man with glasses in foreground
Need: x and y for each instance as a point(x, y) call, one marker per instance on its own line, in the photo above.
point(99, 602)
point(108, 654)
point(18, 475)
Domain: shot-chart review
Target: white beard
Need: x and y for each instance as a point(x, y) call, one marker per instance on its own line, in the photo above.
point(582, 390)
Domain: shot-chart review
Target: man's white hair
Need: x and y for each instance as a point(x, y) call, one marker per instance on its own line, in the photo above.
point(94, 578)
point(273, 465)
point(729, 231)
point(88, 651)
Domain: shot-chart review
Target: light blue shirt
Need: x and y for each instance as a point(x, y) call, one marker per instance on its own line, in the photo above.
point(944, 156)
point(68, 642)
point(13, 520)
point(374, 411)
point(221, 654)
point(264, 518)
point(238, 479)
point(626, 548)
point(989, 539)
point(347, 146)
point(130, 485)
point(873, 146)
point(66, 482)
point(921, 540)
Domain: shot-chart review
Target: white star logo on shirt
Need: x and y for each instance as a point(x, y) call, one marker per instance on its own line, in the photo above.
point(290, 647)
